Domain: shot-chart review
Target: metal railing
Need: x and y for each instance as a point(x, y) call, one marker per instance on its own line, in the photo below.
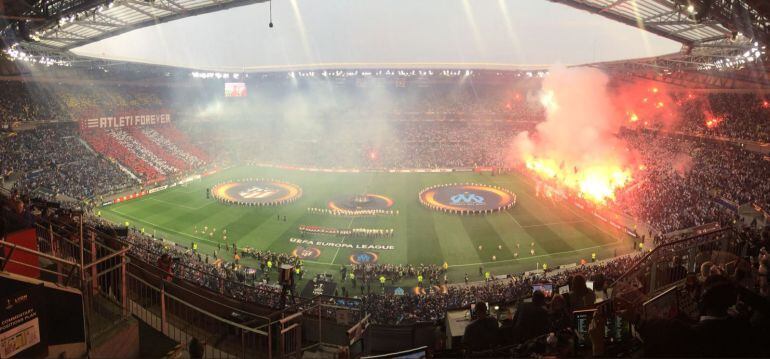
point(76, 260)
point(163, 307)
point(669, 263)
point(116, 285)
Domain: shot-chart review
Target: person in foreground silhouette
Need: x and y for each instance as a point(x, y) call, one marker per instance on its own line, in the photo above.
point(481, 334)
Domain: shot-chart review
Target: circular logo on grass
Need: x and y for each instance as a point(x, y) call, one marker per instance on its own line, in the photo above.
point(256, 192)
point(361, 202)
point(364, 258)
point(306, 252)
point(467, 198)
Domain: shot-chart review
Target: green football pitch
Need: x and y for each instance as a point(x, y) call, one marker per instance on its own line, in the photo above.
point(560, 232)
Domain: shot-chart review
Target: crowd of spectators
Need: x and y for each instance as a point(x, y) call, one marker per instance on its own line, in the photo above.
point(53, 160)
point(104, 143)
point(729, 317)
point(226, 277)
point(437, 300)
point(431, 274)
point(734, 116)
point(398, 144)
point(17, 104)
point(55, 102)
point(173, 149)
point(686, 183)
point(134, 146)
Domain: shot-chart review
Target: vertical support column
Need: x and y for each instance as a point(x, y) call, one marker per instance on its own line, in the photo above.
point(94, 272)
point(691, 263)
point(653, 271)
point(87, 297)
point(299, 340)
point(320, 326)
point(123, 293)
point(270, 339)
point(82, 253)
point(55, 251)
point(243, 343)
point(163, 328)
point(281, 341)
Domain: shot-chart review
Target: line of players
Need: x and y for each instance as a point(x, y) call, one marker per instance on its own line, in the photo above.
point(353, 213)
point(353, 232)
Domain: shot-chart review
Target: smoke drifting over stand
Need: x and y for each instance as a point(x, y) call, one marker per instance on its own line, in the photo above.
point(577, 146)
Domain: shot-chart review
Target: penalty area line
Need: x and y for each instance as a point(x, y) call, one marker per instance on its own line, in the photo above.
point(163, 229)
point(535, 257)
point(181, 205)
point(514, 219)
point(554, 224)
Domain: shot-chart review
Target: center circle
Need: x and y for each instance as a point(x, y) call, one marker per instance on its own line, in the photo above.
point(467, 198)
point(256, 192)
point(360, 202)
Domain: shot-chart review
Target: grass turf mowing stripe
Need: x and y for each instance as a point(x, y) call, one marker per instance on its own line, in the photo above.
point(545, 237)
point(423, 241)
point(454, 242)
point(421, 235)
point(483, 234)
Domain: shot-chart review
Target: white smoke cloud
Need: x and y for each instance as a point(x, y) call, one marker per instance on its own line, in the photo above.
point(577, 143)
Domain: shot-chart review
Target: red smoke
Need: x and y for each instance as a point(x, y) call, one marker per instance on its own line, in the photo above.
point(577, 146)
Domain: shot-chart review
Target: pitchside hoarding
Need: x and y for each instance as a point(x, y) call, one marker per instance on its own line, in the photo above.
point(149, 118)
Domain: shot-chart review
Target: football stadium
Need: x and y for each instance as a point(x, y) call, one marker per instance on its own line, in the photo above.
point(329, 179)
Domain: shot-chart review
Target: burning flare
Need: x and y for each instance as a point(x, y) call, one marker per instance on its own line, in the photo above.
point(596, 183)
point(577, 148)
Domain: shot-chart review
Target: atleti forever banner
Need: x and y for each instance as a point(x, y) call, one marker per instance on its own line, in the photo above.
point(140, 118)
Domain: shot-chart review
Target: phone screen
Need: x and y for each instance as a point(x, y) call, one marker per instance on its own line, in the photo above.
point(547, 289)
point(582, 319)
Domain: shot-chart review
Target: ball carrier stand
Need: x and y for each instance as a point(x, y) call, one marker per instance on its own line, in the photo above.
point(287, 285)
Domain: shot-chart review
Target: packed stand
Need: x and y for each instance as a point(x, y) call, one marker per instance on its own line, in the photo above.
point(190, 160)
point(104, 143)
point(53, 160)
point(683, 180)
point(130, 143)
point(734, 116)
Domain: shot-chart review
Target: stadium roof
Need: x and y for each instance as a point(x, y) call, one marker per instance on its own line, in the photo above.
point(692, 23)
point(661, 17)
point(116, 17)
point(715, 34)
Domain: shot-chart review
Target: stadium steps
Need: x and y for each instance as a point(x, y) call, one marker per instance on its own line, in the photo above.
point(121, 340)
point(181, 331)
